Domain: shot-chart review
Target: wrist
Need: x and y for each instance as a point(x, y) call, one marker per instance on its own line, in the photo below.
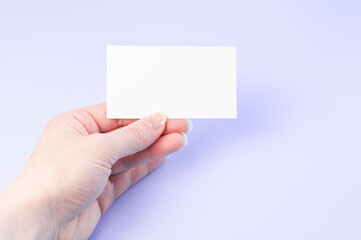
point(26, 213)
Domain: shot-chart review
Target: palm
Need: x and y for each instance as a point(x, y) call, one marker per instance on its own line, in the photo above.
point(94, 193)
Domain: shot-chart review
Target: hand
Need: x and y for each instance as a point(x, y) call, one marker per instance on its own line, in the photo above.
point(82, 163)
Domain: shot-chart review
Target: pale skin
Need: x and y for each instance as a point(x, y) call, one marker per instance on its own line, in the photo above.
point(82, 163)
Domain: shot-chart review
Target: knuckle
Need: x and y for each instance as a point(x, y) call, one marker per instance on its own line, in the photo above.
point(85, 119)
point(55, 122)
point(101, 148)
point(135, 135)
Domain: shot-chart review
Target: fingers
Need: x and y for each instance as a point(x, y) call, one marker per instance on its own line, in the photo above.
point(177, 125)
point(98, 113)
point(133, 137)
point(120, 182)
point(165, 145)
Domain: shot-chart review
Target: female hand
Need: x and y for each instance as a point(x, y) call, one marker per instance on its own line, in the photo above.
point(82, 163)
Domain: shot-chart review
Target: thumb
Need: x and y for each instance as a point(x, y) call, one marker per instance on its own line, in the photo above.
point(135, 136)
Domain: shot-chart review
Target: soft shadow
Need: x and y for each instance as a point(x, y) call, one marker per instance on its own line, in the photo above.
point(259, 113)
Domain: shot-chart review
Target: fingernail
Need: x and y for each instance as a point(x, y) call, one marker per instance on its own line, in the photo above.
point(185, 139)
point(157, 120)
point(190, 125)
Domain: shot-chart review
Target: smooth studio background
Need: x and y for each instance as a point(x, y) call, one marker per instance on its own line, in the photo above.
point(287, 168)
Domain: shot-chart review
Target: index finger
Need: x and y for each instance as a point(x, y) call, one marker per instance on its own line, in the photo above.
point(99, 113)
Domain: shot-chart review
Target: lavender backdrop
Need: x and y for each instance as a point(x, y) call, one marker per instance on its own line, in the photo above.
point(287, 168)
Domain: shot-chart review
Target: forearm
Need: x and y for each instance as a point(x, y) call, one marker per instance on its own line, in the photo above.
point(24, 214)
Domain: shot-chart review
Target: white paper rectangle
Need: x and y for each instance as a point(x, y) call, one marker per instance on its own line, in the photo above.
point(182, 82)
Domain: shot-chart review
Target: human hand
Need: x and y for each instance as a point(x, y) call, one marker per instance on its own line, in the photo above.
point(81, 164)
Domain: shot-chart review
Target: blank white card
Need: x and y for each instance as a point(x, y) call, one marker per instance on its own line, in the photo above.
point(182, 82)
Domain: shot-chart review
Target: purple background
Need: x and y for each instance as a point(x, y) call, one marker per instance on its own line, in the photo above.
point(287, 168)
